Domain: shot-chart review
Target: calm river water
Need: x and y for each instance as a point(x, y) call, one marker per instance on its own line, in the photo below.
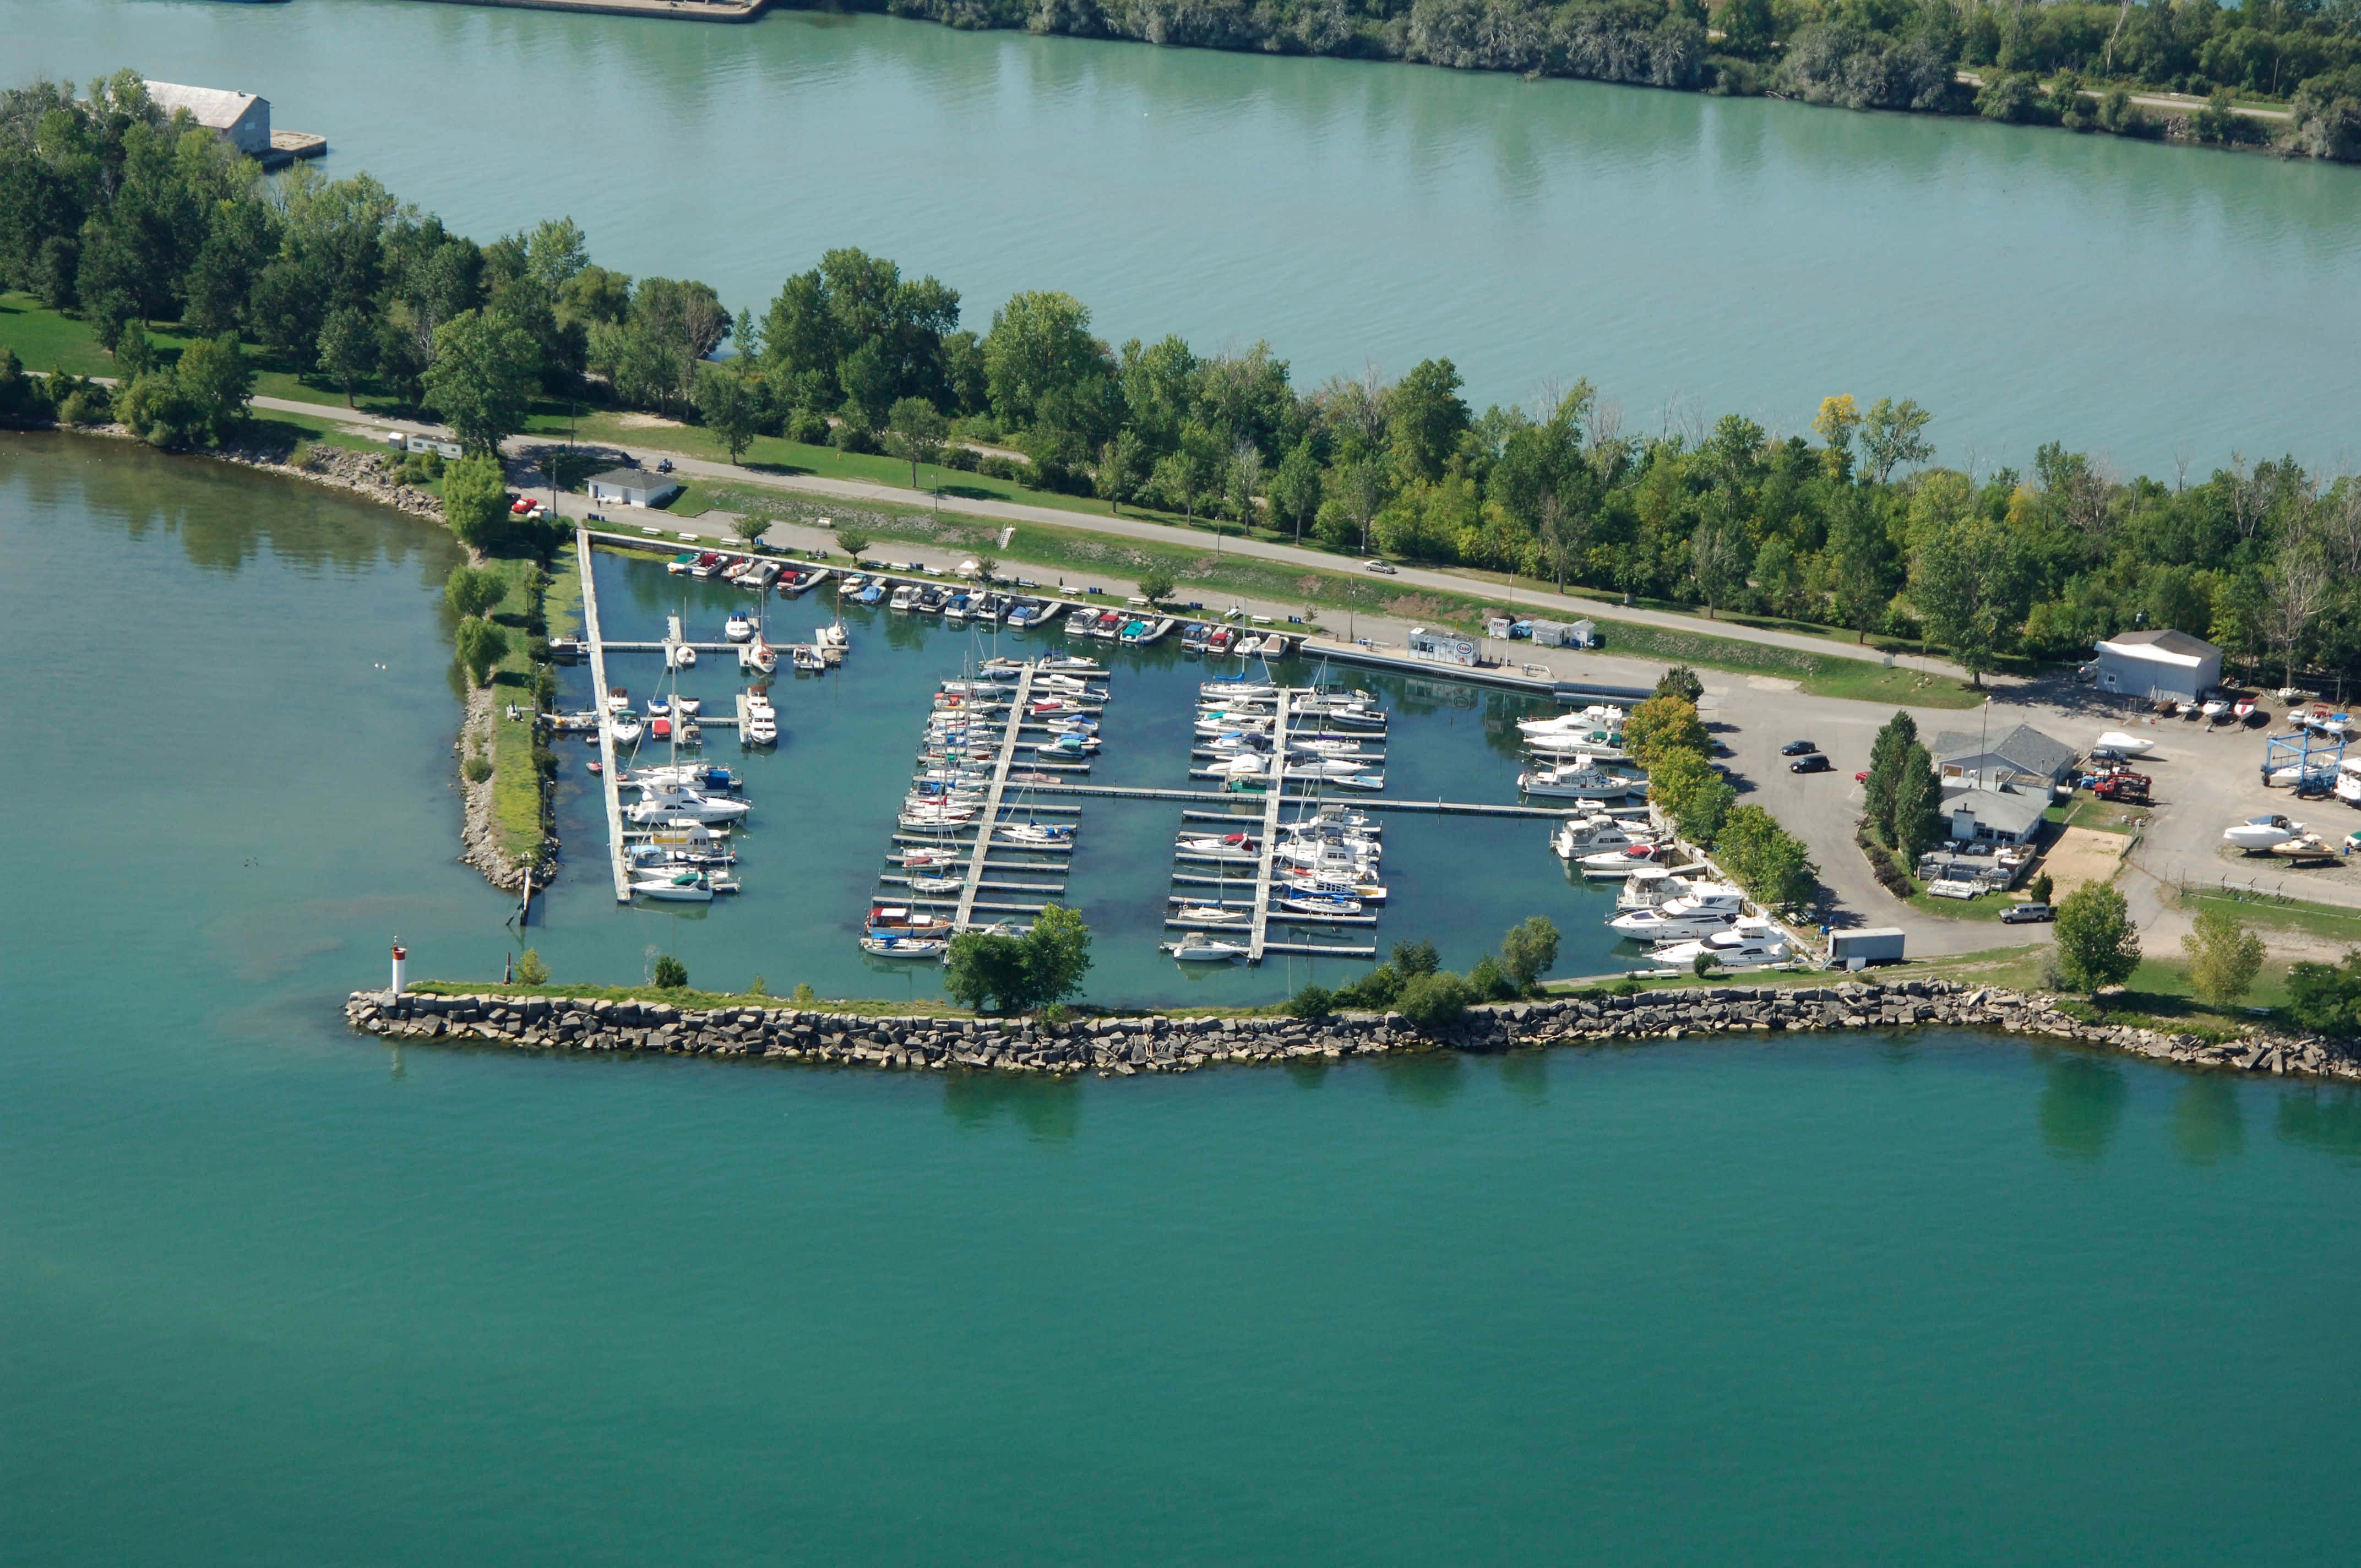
point(1690, 255)
point(273, 1293)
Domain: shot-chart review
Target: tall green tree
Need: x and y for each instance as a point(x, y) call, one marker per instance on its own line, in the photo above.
point(476, 502)
point(2224, 957)
point(916, 433)
point(482, 379)
point(729, 408)
point(1886, 755)
point(1968, 574)
point(2098, 945)
point(1529, 951)
point(1918, 824)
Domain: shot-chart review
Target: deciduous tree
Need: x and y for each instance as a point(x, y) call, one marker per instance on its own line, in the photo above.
point(482, 376)
point(2098, 945)
point(2224, 957)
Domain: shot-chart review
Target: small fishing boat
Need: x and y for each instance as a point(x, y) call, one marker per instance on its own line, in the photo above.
point(905, 597)
point(1248, 646)
point(1197, 948)
point(739, 628)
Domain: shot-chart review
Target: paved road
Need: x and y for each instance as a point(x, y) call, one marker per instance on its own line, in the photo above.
point(1558, 607)
point(2180, 103)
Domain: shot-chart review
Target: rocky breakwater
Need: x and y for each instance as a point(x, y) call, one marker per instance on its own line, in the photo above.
point(1126, 1045)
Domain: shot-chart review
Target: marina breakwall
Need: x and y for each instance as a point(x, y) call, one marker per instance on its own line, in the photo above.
point(1125, 1046)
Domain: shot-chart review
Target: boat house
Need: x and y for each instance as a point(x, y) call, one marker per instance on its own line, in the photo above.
point(1441, 647)
point(2150, 665)
point(2022, 756)
point(633, 487)
point(240, 119)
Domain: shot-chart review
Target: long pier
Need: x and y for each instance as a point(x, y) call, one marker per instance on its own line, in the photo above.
point(1352, 803)
point(988, 819)
point(1274, 797)
point(606, 724)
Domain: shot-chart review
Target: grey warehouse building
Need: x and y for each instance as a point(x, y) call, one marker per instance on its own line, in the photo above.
point(2148, 664)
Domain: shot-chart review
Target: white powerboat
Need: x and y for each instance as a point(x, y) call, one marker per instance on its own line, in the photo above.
point(1579, 777)
point(685, 887)
point(627, 729)
point(2131, 745)
point(1200, 948)
point(1649, 886)
point(1750, 944)
point(1342, 885)
point(739, 628)
point(1221, 846)
point(2262, 832)
point(1611, 865)
point(672, 805)
point(1575, 838)
point(1705, 908)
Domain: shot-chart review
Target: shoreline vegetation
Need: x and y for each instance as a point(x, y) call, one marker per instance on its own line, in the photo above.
point(2082, 67)
point(113, 219)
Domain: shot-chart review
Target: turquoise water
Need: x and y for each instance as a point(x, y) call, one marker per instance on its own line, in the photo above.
point(274, 1293)
point(1692, 256)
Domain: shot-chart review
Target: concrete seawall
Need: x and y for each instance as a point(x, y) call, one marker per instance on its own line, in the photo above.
point(1157, 1044)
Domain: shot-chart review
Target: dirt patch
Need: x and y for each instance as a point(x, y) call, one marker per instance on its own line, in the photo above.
point(2082, 855)
point(650, 422)
point(1772, 683)
point(1418, 606)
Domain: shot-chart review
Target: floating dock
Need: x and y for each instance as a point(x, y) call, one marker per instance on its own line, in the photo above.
point(990, 816)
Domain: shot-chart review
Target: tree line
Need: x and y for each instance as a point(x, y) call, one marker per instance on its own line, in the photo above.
point(111, 211)
point(1858, 54)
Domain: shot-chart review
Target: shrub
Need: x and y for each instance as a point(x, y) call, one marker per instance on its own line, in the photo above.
point(757, 987)
point(962, 458)
point(530, 969)
point(809, 426)
point(477, 769)
point(1702, 965)
point(1490, 981)
point(2038, 888)
point(670, 974)
point(804, 993)
point(1374, 992)
point(1412, 958)
point(1311, 1002)
point(1435, 999)
point(1682, 681)
point(1890, 876)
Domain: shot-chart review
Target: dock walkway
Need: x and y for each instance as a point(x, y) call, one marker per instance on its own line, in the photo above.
point(989, 817)
point(606, 726)
point(1274, 797)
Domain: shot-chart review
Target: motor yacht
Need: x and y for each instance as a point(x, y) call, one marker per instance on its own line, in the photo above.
point(1704, 909)
point(1750, 944)
point(1577, 837)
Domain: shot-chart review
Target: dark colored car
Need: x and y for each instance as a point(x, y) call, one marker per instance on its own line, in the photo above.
point(1797, 749)
point(1817, 762)
point(2026, 914)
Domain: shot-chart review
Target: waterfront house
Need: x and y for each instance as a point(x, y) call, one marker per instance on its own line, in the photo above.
point(633, 487)
point(240, 119)
point(2150, 665)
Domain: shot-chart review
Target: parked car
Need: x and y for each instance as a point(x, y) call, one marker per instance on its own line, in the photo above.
point(664, 466)
point(1384, 568)
point(1817, 762)
point(2026, 914)
point(1797, 749)
point(1861, 777)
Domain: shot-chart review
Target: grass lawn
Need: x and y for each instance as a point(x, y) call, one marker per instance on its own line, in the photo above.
point(695, 999)
point(516, 787)
point(2268, 912)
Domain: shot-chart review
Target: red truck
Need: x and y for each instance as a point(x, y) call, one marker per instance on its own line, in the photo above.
point(2129, 788)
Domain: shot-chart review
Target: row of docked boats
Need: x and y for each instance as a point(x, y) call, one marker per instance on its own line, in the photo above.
point(1678, 918)
point(758, 573)
point(1332, 736)
point(1222, 640)
point(1578, 756)
point(943, 821)
point(1133, 628)
point(1324, 866)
